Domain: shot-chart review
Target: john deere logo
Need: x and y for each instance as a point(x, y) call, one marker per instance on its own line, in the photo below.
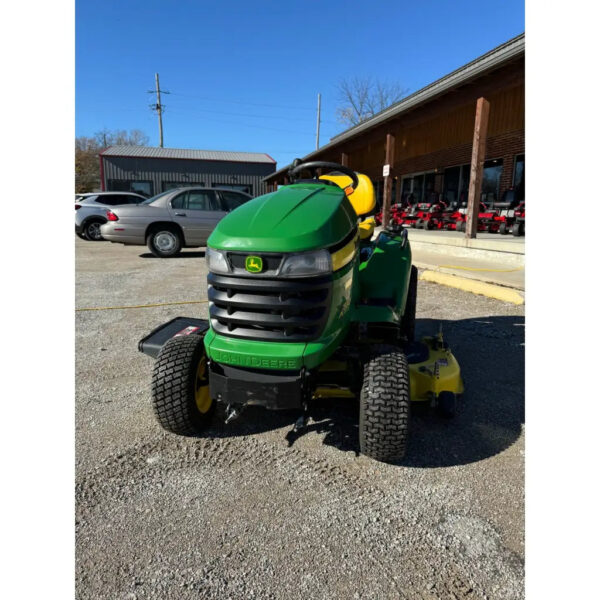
point(254, 264)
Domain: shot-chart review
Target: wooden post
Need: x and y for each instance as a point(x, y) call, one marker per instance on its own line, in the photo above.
point(344, 159)
point(388, 178)
point(482, 114)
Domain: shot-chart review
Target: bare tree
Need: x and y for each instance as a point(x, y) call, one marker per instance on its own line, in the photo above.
point(87, 164)
point(120, 137)
point(362, 97)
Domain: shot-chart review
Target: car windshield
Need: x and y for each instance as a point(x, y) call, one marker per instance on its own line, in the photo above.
point(154, 198)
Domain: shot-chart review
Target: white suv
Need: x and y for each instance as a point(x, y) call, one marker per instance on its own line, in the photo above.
point(90, 211)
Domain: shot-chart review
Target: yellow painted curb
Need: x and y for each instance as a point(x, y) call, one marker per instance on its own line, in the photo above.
point(475, 287)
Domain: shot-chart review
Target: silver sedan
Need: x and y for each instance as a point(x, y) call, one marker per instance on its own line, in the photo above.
point(183, 217)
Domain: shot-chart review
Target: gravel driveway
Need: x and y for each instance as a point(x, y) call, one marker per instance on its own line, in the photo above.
point(242, 514)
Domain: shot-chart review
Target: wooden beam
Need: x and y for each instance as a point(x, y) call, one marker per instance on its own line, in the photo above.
point(344, 159)
point(390, 143)
point(482, 114)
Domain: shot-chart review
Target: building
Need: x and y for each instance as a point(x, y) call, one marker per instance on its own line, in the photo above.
point(430, 134)
point(150, 171)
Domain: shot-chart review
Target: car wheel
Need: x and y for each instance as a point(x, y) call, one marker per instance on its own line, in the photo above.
point(164, 243)
point(91, 231)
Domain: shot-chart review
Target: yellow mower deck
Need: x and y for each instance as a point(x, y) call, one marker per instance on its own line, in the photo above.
point(440, 372)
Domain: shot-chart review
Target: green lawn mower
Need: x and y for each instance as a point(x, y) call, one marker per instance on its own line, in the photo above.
point(303, 305)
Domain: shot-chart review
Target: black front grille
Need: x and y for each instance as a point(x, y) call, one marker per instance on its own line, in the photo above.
point(269, 309)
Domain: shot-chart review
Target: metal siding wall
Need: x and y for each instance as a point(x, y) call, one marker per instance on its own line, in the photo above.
point(187, 172)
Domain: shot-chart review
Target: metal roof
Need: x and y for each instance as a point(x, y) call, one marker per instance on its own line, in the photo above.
point(156, 152)
point(490, 60)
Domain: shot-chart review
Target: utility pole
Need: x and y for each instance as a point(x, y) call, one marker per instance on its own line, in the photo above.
point(318, 118)
point(158, 107)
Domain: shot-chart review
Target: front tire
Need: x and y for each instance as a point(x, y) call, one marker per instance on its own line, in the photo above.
point(180, 394)
point(164, 243)
point(384, 404)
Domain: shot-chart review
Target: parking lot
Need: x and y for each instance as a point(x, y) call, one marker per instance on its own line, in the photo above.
point(240, 513)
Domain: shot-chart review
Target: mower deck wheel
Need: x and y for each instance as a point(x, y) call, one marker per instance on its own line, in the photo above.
point(180, 392)
point(447, 404)
point(384, 404)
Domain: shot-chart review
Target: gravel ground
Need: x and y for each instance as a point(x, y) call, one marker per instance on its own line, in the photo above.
point(241, 514)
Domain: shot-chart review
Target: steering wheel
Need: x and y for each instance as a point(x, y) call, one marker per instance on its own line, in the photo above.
point(319, 164)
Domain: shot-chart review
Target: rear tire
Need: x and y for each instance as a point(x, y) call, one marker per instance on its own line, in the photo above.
point(518, 229)
point(503, 230)
point(164, 243)
point(384, 404)
point(91, 231)
point(180, 393)
point(407, 324)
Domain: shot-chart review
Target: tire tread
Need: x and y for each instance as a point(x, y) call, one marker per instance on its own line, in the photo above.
point(385, 404)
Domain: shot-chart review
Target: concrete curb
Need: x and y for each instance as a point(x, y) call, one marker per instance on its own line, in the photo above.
point(490, 290)
point(483, 275)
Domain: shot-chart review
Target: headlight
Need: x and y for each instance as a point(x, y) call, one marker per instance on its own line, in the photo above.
point(306, 264)
point(216, 261)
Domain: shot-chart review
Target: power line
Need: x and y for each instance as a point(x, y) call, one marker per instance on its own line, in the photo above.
point(233, 114)
point(242, 102)
point(254, 126)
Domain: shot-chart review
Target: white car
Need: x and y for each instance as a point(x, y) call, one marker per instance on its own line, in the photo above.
point(90, 211)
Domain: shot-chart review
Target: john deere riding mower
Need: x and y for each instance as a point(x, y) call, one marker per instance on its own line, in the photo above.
point(303, 305)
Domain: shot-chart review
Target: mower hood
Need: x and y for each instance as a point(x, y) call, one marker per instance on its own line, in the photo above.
point(295, 218)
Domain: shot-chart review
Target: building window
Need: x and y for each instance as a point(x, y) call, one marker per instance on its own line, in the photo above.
point(145, 188)
point(490, 185)
point(242, 187)
point(519, 177)
point(171, 185)
point(378, 186)
point(456, 184)
point(419, 188)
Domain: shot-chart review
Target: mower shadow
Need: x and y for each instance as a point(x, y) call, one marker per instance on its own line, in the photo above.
point(194, 254)
point(491, 352)
point(490, 415)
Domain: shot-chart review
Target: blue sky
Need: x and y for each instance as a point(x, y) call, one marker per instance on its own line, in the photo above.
point(245, 75)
